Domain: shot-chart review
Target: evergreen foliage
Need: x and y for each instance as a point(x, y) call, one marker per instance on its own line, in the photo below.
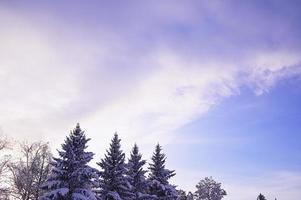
point(159, 186)
point(190, 196)
point(71, 178)
point(113, 182)
point(261, 197)
point(136, 174)
point(182, 195)
point(157, 167)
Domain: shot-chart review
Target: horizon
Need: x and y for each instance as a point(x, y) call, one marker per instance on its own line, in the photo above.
point(216, 84)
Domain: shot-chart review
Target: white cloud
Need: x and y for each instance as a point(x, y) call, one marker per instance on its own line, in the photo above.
point(51, 78)
point(179, 92)
point(34, 83)
point(266, 68)
point(42, 85)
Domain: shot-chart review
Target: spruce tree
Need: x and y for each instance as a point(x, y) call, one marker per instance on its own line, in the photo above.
point(190, 196)
point(113, 182)
point(182, 195)
point(71, 178)
point(261, 197)
point(136, 174)
point(159, 186)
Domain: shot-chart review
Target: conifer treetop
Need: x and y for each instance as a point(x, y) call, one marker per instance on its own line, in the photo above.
point(136, 174)
point(113, 182)
point(157, 168)
point(71, 177)
point(261, 197)
point(75, 145)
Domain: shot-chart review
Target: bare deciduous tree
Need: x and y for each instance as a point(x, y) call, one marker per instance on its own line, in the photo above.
point(4, 189)
point(30, 171)
point(209, 189)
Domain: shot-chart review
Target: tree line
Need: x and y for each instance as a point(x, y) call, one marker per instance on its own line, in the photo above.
point(36, 175)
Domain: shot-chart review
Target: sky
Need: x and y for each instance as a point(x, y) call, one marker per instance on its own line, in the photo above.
point(217, 83)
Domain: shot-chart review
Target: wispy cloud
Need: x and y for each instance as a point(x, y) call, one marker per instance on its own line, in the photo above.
point(145, 71)
point(112, 86)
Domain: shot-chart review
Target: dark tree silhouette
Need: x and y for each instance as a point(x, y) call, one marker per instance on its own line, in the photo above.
point(261, 197)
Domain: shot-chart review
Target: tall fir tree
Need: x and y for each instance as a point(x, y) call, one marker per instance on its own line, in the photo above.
point(136, 175)
point(159, 186)
point(113, 182)
point(71, 178)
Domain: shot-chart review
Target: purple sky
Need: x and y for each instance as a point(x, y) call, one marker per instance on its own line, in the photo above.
point(215, 82)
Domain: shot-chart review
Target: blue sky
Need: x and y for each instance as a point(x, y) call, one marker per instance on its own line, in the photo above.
point(215, 82)
point(254, 129)
point(246, 135)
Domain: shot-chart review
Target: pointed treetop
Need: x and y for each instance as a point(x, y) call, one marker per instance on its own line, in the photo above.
point(159, 176)
point(113, 180)
point(135, 149)
point(157, 167)
point(115, 138)
point(158, 147)
point(136, 174)
point(115, 142)
point(136, 155)
point(261, 197)
point(77, 131)
point(71, 176)
point(158, 155)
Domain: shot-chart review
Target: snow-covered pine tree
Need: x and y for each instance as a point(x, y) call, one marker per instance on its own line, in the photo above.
point(71, 178)
point(261, 197)
point(181, 195)
point(190, 196)
point(113, 182)
point(159, 186)
point(136, 175)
